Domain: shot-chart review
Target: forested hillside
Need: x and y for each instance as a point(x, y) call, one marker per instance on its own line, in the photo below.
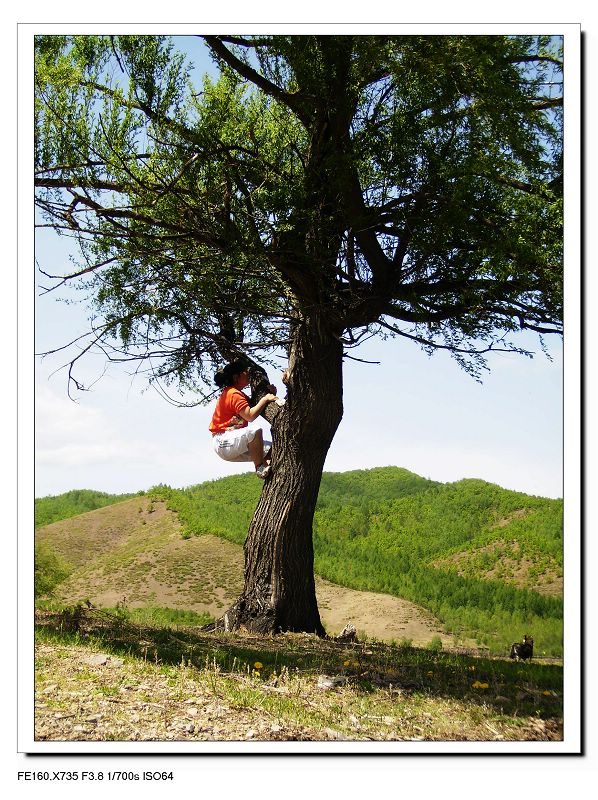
point(485, 560)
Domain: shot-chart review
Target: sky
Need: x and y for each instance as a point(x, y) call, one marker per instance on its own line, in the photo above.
point(435, 419)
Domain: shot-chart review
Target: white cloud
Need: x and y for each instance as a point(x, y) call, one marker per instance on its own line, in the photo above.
point(60, 422)
point(70, 431)
point(79, 442)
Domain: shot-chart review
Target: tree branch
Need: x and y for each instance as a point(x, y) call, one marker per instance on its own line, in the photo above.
point(292, 101)
point(532, 58)
point(464, 350)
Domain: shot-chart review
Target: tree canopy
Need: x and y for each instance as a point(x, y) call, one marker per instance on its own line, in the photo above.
point(403, 186)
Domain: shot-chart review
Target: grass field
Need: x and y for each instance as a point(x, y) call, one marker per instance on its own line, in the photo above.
point(105, 677)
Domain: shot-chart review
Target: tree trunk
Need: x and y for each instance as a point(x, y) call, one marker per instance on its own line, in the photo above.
point(279, 592)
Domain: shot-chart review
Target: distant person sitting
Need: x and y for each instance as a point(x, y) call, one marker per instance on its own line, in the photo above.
point(233, 439)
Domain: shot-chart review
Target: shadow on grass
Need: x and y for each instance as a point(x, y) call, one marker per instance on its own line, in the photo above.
point(511, 688)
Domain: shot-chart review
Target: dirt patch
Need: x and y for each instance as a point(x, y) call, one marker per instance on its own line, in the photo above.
point(144, 560)
point(202, 574)
point(380, 616)
point(519, 513)
point(134, 554)
point(83, 538)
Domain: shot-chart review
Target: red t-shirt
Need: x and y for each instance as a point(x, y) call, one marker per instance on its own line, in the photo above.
point(226, 414)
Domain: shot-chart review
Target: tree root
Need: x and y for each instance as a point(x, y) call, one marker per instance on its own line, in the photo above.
point(255, 617)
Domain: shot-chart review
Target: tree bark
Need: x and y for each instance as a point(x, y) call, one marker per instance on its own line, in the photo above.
point(279, 592)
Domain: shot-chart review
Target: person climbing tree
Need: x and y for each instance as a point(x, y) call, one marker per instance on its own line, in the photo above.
point(234, 440)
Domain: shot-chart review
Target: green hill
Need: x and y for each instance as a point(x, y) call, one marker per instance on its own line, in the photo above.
point(485, 561)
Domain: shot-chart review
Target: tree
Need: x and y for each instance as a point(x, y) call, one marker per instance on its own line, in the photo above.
point(323, 190)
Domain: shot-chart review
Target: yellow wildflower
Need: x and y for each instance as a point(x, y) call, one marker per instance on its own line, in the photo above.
point(479, 685)
point(346, 663)
point(258, 665)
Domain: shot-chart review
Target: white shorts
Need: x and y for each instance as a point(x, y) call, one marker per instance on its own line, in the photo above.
point(234, 445)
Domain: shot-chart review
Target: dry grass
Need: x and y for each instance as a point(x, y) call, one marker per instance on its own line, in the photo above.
point(171, 684)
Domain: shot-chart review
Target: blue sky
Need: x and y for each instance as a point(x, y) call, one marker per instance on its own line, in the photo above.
point(436, 420)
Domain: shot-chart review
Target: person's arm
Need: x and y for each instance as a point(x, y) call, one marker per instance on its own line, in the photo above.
point(249, 414)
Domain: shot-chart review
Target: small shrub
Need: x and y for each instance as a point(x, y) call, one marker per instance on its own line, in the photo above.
point(49, 571)
point(435, 644)
point(121, 611)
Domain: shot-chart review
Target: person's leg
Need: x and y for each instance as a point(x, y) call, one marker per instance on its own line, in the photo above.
point(256, 452)
point(256, 448)
point(267, 451)
point(246, 445)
